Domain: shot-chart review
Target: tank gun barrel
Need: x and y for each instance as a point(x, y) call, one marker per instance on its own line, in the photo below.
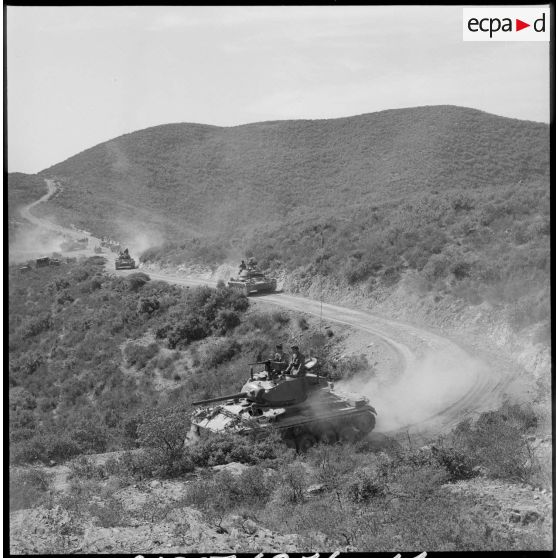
point(222, 398)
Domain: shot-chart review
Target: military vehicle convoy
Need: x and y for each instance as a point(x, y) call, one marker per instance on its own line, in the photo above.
point(303, 409)
point(124, 261)
point(251, 280)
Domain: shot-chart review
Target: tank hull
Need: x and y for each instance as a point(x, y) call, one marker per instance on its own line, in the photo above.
point(253, 287)
point(324, 416)
point(125, 264)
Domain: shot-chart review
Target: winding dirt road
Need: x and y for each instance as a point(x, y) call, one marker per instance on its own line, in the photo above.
point(440, 383)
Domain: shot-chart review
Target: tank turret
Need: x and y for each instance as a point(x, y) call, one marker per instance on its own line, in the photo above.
point(304, 409)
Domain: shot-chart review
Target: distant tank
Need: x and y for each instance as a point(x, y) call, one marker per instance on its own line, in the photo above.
point(42, 262)
point(251, 280)
point(124, 261)
point(45, 262)
point(304, 410)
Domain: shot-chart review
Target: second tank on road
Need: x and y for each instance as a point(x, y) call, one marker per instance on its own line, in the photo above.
point(125, 261)
point(251, 280)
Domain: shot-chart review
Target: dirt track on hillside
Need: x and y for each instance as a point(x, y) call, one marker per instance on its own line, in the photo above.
point(440, 382)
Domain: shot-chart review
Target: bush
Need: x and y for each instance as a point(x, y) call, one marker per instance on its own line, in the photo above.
point(225, 448)
point(59, 448)
point(193, 328)
point(138, 355)
point(365, 486)
point(164, 434)
point(28, 488)
point(90, 437)
point(215, 497)
point(496, 442)
point(457, 463)
point(137, 280)
point(148, 305)
point(34, 326)
point(222, 352)
point(225, 321)
point(293, 484)
point(109, 513)
point(85, 468)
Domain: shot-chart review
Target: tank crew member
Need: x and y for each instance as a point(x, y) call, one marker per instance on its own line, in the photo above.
point(279, 355)
point(280, 360)
point(296, 366)
point(252, 263)
point(242, 266)
point(126, 253)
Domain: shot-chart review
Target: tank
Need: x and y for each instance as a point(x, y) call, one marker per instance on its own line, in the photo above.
point(124, 261)
point(303, 409)
point(42, 262)
point(252, 281)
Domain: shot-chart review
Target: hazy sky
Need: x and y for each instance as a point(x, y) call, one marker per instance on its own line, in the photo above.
point(78, 76)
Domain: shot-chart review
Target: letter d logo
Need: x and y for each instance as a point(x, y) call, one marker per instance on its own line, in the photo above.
point(540, 24)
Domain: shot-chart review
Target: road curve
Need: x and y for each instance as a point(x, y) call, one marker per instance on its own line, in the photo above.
point(441, 382)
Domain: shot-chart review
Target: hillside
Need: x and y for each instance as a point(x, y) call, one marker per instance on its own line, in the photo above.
point(453, 199)
point(180, 177)
point(102, 363)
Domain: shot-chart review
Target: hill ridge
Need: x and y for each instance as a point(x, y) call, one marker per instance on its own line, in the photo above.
point(214, 127)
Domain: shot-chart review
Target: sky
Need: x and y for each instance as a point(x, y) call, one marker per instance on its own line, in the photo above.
point(79, 76)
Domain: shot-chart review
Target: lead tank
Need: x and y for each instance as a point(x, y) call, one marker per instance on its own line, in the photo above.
point(304, 409)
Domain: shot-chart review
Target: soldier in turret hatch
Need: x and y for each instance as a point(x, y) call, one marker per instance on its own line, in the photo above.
point(126, 253)
point(242, 266)
point(280, 361)
point(279, 355)
point(296, 366)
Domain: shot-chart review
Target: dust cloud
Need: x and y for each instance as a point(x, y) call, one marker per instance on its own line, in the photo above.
point(33, 242)
point(431, 386)
point(138, 238)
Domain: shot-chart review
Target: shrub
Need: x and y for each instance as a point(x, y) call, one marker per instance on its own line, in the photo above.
point(34, 326)
point(148, 305)
point(293, 484)
point(254, 486)
point(365, 486)
point(85, 468)
point(457, 463)
point(28, 450)
point(225, 448)
point(496, 443)
point(164, 434)
point(109, 513)
point(28, 488)
point(193, 328)
point(225, 321)
point(215, 497)
point(138, 355)
point(60, 448)
point(137, 280)
point(90, 437)
point(222, 352)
